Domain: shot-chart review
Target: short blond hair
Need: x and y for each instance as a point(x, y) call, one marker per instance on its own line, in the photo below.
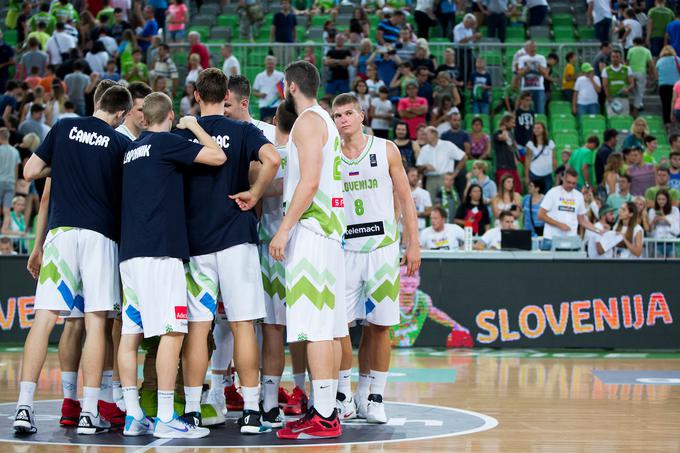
point(156, 107)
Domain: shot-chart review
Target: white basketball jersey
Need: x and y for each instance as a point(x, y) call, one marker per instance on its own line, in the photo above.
point(325, 215)
point(267, 129)
point(272, 207)
point(369, 199)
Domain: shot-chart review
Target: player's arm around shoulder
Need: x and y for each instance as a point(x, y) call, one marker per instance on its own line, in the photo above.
point(211, 153)
point(261, 175)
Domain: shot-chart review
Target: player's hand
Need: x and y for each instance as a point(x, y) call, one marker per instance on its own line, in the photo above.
point(186, 122)
point(277, 245)
point(34, 262)
point(245, 200)
point(411, 259)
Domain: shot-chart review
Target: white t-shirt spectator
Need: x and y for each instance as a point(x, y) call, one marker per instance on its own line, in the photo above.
point(450, 238)
point(442, 157)
point(381, 107)
point(635, 31)
point(492, 238)
point(668, 229)
point(623, 252)
point(374, 86)
point(586, 92)
point(422, 200)
point(460, 32)
point(110, 44)
point(533, 79)
point(592, 239)
point(563, 207)
point(229, 63)
point(97, 61)
point(59, 43)
point(601, 10)
point(541, 158)
point(265, 83)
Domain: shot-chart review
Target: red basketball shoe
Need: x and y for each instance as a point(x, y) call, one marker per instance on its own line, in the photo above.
point(283, 396)
point(70, 412)
point(313, 426)
point(297, 402)
point(111, 413)
point(234, 398)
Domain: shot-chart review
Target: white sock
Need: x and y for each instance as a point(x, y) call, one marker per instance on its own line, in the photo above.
point(106, 387)
point(310, 400)
point(69, 384)
point(26, 392)
point(364, 385)
point(217, 383)
point(299, 379)
point(335, 388)
point(324, 398)
point(378, 381)
point(90, 398)
point(166, 409)
point(192, 396)
point(118, 395)
point(228, 379)
point(270, 389)
point(251, 398)
point(345, 382)
point(131, 397)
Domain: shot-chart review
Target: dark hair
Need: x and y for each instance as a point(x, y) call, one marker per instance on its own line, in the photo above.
point(627, 177)
point(594, 139)
point(467, 202)
point(616, 50)
point(60, 26)
point(165, 46)
point(504, 214)
point(673, 138)
point(554, 56)
point(383, 89)
point(666, 209)
point(638, 41)
point(571, 172)
point(569, 55)
point(11, 85)
point(609, 134)
point(649, 139)
point(68, 105)
point(136, 50)
point(33, 42)
point(631, 223)
point(78, 65)
point(664, 169)
point(305, 76)
point(139, 90)
point(97, 47)
point(604, 44)
point(212, 85)
point(544, 135)
point(674, 153)
point(102, 86)
point(240, 86)
point(285, 118)
point(116, 99)
point(539, 184)
point(401, 123)
point(37, 108)
point(438, 208)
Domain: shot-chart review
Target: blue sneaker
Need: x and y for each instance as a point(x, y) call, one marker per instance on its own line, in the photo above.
point(178, 428)
point(134, 427)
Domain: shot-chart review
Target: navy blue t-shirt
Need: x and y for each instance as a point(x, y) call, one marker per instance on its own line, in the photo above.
point(214, 221)
point(285, 27)
point(86, 157)
point(153, 219)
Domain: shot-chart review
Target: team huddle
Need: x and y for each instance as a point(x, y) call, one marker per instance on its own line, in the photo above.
point(173, 238)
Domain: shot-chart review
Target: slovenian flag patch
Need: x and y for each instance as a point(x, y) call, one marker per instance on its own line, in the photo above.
point(354, 173)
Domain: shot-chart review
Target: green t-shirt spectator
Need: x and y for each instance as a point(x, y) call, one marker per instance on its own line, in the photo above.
point(579, 158)
point(638, 59)
point(648, 158)
point(141, 75)
point(64, 12)
point(108, 11)
point(650, 194)
point(47, 18)
point(615, 201)
point(660, 17)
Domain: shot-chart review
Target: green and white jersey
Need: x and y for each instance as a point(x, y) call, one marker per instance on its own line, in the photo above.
point(272, 207)
point(267, 129)
point(325, 216)
point(369, 200)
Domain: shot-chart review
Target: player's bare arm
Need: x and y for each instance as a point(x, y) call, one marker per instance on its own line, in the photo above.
point(36, 168)
point(212, 153)
point(270, 160)
point(35, 260)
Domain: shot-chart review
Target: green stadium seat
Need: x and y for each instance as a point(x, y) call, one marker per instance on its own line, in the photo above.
point(562, 20)
point(655, 122)
point(559, 108)
point(202, 30)
point(564, 140)
point(227, 20)
point(662, 152)
point(515, 34)
point(492, 57)
point(10, 37)
point(620, 122)
point(564, 34)
point(586, 33)
point(320, 19)
point(179, 57)
point(592, 123)
point(563, 123)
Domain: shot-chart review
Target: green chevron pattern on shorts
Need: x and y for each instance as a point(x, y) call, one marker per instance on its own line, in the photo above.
point(67, 274)
point(321, 278)
point(129, 296)
point(60, 229)
point(273, 286)
point(204, 283)
point(303, 287)
point(49, 271)
point(388, 288)
point(50, 253)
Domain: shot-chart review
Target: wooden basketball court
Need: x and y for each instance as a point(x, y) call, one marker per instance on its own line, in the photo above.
point(543, 402)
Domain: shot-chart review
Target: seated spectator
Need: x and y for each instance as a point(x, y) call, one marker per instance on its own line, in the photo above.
point(492, 238)
point(478, 176)
point(541, 160)
point(631, 245)
point(421, 197)
point(674, 169)
point(443, 86)
point(664, 223)
point(507, 199)
point(532, 68)
point(623, 195)
point(381, 112)
point(136, 71)
point(412, 109)
point(449, 66)
point(638, 131)
point(447, 197)
point(605, 222)
point(480, 143)
point(360, 90)
point(474, 211)
point(337, 60)
point(565, 155)
point(438, 157)
point(163, 66)
point(6, 248)
point(15, 224)
point(581, 161)
point(618, 82)
point(110, 73)
point(663, 175)
point(372, 80)
point(613, 169)
point(195, 68)
point(642, 175)
point(177, 20)
point(441, 235)
point(651, 145)
point(160, 84)
point(480, 84)
point(586, 92)
point(569, 76)
point(231, 65)
point(408, 149)
point(441, 114)
point(531, 204)
point(423, 58)
point(424, 86)
point(505, 148)
point(35, 123)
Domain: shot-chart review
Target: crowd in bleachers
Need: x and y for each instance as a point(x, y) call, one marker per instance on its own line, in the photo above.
point(489, 101)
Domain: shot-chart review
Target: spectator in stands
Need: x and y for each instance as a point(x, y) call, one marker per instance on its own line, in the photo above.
point(403, 77)
point(136, 71)
point(651, 145)
point(6, 248)
point(111, 72)
point(389, 28)
point(632, 233)
point(662, 179)
point(532, 68)
point(524, 121)
point(505, 149)
point(459, 137)
point(360, 90)
point(642, 175)
point(9, 100)
point(673, 33)
point(507, 199)
point(424, 17)
point(381, 113)
point(602, 58)
point(497, 12)
point(441, 235)
point(664, 222)
point(449, 66)
point(674, 170)
point(581, 161)
point(425, 89)
point(599, 14)
point(447, 197)
point(69, 111)
point(97, 57)
point(43, 16)
point(105, 15)
point(41, 35)
point(478, 176)
point(421, 197)
point(194, 68)
point(163, 66)
point(408, 149)
point(438, 157)
point(56, 106)
point(465, 34)
point(283, 31)
point(231, 65)
point(359, 25)
point(441, 114)
point(35, 123)
point(10, 161)
point(33, 79)
point(110, 44)
point(538, 12)
point(444, 86)
point(386, 63)
point(266, 88)
point(622, 193)
point(159, 9)
point(638, 131)
point(480, 84)
point(188, 104)
point(160, 84)
point(76, 82)
point(22, 21)
point(337, 61)
point(531, 204)
point(643, 220)
point(480, 143)
point(412, 109)
point(492, 238)
point(360, 59)
point(199, 48)
point(59, 45)
point(150, 28)
point(658, 19)
point(474, 211)
point(643, 68)
point(446, 14)
point(177, 18)
point(586, 93)
point(668, 71)
point(601, 158)
point(120, 22)
point(618, 82)
point(15, 224)
point(629, 29)
point(33, 58)
point(541, 159)
point(553, 75)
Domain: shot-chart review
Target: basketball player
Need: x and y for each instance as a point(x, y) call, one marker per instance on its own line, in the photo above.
point(84, 158)
point(223, 246)
point(309, 239)
point(373, 175)
point(153, 245)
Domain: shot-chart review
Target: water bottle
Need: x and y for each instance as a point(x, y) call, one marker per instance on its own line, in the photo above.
point(467, 243)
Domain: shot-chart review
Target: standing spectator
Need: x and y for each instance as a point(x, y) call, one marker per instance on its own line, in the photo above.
point(359, 26)
point(524, 122)
point(651, 145)
point(266, 88)
point(97, 57)
point(424, 86)
point(76, 82)
point(373, 81)
point(9, 171)
point(120, 23)
point(582, 161)
point(403, 77)
point(360, 90)
point(445, 88)
point(481, 87)
point(9, 101)
point(404, 46)
point(643, 68)
point(423, 57)
point(34, 57)
point(177, 18)
point(199, 48)
point(449, 66)
point(63, 11)
point(421, 197)
point(194, 68)
point(136, 71)
point(159, 8)
point(110, 44)
point(541, 160)
point(448, 198)
point(532, 69)
point(639, 130)
point(41, 35)
point(125, 49)
point(664, 223)
point(465, 34)
point(164, 67)
point(478, 176)
point(389, 28)
point(337, 62)
point(35, 122)
point(474, 211)
point(150, 28)
point(600, 14)
point(408, 148)
point(668, 71)
point(441, 235)
point(231, 65)
point(424, 17)
point(630, 28)
point(531, 205)
point(538, 11)
point(381, 113)
point(446, 13)
point(673, 33)
point(662, 179)
point(497, 12)
point(461, 139)
point(505, 150)
point(658, 19)
point(283, 31)
point(386, 62)
point(43, 16)
point(642, 175)
point(111, 73)
point(607, 149)
point(412, 109)
point(632, 233)
point(251, 16)
point(360, 59)
point(59, 45)
point(585, 97)
point(618, 82)
point(602, 58)
point(480, 143)
point(569, 76)
point(438, 157)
